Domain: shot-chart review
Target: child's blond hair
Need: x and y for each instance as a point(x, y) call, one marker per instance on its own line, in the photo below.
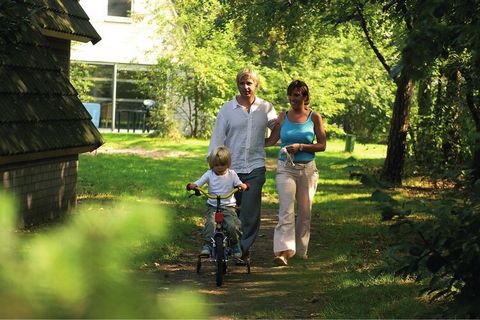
point(220, 157)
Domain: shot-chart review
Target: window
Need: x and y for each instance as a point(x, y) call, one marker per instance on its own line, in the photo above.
point(119, 8)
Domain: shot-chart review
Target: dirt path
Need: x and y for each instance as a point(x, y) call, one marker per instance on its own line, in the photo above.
point(267, 292)
point(296, 291)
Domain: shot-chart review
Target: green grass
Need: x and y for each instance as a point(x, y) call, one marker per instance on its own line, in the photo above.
point(351, 225)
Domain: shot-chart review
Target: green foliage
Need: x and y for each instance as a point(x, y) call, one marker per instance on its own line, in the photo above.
point(444, 137)
point(161, 121)
point(209, 51)
point(442, 49)
point(82, 269)
point(443, 248)
point(294, 40)
point(80, 77)
point(199, 76)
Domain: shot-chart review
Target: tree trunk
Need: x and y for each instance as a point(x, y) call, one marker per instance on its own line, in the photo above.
point(196, 115)
point(397, 138)
point(190, 116)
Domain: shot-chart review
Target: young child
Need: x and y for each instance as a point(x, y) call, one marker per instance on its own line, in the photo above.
point(221, 180)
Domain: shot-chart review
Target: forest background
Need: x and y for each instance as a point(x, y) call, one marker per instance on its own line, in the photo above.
point(398, 72)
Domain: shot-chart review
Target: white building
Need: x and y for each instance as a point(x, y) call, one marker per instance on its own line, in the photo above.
point(131, 40)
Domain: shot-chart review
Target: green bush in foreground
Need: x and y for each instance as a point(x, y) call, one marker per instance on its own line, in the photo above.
point(80, 269)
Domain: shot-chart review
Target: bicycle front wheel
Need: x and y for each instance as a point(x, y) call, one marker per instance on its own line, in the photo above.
point(219, 259)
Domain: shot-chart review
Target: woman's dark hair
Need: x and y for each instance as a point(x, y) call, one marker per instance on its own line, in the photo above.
point(302, 86)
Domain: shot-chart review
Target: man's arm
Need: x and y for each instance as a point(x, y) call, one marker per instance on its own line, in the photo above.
point(271, 117)
point(275, 134)
point(218, 134)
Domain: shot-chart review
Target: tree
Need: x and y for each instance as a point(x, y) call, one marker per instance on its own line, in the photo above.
point(306, 21)
point(80, 77)
point(201, 66)
point(448, 33)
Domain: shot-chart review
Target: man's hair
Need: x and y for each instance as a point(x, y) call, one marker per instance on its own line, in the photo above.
point(220, 157)
point(302, 86)
point(249, 73)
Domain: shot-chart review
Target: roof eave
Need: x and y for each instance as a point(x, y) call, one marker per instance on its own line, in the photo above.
point(27, 157)
point(68, 36)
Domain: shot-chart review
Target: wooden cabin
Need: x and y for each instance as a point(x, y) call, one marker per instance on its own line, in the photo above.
point(43, 124)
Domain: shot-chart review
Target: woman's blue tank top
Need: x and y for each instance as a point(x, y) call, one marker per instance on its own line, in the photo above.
point(292, 132)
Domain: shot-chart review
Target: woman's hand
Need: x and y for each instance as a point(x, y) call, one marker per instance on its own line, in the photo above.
point(294, 148)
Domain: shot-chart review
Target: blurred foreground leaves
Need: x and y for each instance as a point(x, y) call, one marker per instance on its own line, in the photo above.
point(82, 269)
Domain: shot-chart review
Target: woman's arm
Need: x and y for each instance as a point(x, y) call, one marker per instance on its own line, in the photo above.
point(320, 134)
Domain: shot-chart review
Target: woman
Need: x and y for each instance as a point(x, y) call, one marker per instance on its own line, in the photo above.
point(297, 174)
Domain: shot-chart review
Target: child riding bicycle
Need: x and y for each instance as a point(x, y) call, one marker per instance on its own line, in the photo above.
point(220, 179)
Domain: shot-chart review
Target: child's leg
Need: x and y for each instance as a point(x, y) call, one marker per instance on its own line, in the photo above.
point(232, 224)
point(209, 227)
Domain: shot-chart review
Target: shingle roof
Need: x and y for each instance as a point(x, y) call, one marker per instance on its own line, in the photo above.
point(64, 16)
point(40, 112)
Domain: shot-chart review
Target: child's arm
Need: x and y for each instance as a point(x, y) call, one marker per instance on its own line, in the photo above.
point(237, 183)
point(242, 186)
point(191, 186)
point(200, 182)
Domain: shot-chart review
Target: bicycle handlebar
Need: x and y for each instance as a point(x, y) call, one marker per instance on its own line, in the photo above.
point(200, 191)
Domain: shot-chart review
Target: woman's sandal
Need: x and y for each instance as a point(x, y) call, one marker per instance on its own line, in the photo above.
point(280, 261)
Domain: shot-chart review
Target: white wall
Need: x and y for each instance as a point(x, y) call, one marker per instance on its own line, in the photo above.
point(124, 40)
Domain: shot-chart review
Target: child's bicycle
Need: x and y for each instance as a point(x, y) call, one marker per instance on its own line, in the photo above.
point(220, 248)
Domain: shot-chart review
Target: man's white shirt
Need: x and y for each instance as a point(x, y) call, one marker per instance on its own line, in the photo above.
point(243, 133)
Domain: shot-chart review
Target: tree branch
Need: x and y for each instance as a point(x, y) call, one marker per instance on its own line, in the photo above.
point(363, 24)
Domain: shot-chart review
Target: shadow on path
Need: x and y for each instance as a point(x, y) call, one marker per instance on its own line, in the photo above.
point(267, 292)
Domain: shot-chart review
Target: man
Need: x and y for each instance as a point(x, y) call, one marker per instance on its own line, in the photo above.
point(241, 126)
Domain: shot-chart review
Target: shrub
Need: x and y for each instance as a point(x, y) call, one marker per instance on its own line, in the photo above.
point(443, 249)
point(161, 122)
point(82, 269)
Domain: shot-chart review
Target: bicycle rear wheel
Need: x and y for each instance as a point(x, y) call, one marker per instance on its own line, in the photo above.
point(219, 259)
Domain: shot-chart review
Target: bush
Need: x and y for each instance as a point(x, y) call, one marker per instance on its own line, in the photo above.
point(445, 250)
point(334, 132)
point(161, 122)
point(82, 269)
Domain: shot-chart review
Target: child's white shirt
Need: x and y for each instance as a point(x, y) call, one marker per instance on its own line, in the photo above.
point(220, 185)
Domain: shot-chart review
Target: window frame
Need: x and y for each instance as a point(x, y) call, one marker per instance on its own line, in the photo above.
point(128, 13)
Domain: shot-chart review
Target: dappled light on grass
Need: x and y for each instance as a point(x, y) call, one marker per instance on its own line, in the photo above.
point(143, 141)
point(368, 280)
point(347, 241)
point(83, 268)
